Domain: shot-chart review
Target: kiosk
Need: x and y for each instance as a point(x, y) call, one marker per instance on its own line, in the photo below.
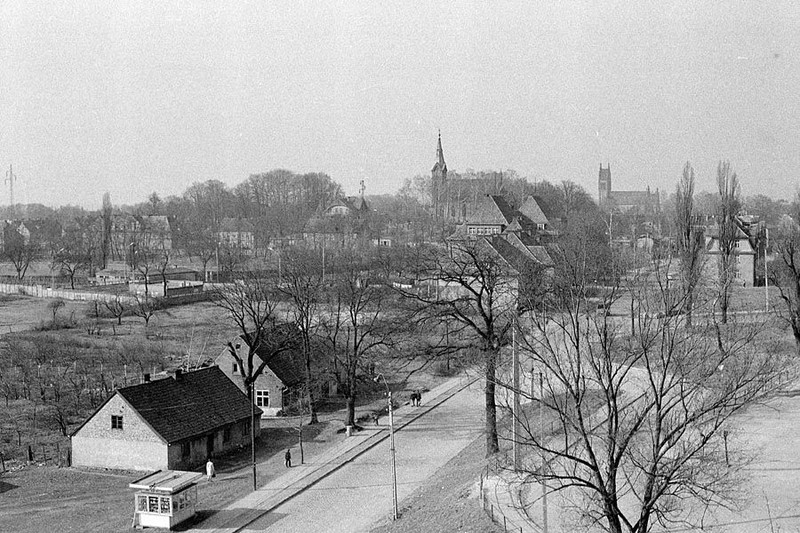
point(165, 498)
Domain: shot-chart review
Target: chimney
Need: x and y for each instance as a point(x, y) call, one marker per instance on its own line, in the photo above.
point(145, 378)
point(178, 373)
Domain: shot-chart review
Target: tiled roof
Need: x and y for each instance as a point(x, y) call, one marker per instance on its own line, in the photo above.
point(533, 212)
point(491, 210)
point(195, 403)
point(287, 365)
point(235, 225)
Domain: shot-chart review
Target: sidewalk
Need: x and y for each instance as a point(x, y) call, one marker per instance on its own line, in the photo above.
point(297, 479)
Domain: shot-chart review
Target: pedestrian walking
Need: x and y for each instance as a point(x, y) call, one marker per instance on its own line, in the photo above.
point(419, 398)
point(287, 459)
point(375, 417)
point(210, 471)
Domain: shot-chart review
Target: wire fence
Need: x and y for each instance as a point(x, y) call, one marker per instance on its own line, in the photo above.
point(495, 512)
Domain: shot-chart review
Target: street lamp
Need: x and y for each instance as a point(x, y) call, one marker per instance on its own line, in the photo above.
point(391, 441)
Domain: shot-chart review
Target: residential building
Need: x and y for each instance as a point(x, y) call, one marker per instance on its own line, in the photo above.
point(744, 253)
point(274, 388)
point(172, 423)
point(239, 233)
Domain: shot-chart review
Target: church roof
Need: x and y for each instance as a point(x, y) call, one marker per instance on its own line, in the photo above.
point(640, 198)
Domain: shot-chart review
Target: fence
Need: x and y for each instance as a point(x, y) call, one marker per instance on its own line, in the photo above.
point(40, 291)
point(42, 453)
point(495, 512)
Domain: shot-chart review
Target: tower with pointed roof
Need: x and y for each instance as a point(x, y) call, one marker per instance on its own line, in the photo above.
point(439, 181)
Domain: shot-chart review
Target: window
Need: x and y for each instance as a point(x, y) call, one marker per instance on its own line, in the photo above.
point(226, 434)
point(234, 368)
point(116, 421)
point(262, 398)
point(186, 448)
point(246, 428)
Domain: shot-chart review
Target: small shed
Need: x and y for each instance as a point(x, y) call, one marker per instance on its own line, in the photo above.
point(165, 498)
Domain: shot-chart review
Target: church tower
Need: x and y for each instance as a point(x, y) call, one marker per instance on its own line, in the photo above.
point(439, 182)
point(604, 185)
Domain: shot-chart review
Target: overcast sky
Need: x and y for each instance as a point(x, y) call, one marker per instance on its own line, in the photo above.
point(130, 99)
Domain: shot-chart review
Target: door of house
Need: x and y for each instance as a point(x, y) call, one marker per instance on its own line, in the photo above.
point(210, 445)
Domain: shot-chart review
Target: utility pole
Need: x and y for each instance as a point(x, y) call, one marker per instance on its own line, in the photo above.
point(541, 437)
point(766, 277)
point(516, 411)
point(391, 444)
point(253, 430)
point(10, 179)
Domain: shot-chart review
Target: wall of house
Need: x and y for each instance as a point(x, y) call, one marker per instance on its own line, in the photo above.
point(134, 447)
point(266, 381)
point(198, 450)
point(745, 268)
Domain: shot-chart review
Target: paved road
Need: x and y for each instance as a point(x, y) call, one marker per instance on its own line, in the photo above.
point(360, 493)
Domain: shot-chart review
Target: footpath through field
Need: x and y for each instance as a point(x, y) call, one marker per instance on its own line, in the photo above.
point(349, 486)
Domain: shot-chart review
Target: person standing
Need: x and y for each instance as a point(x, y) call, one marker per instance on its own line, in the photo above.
point(287, 459)
point(210, 471)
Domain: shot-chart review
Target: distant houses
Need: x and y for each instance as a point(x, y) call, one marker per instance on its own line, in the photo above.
point(172, 423)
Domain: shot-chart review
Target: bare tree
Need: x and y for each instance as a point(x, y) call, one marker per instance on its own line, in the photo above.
point(640, 421)
point(107, 217)
point(116, 307)
point(785, 275)
point(470, 291)
point(21, 254)
point(729, 205)
point(301, 281)
point(690, 243)
point(360, 323)
point(71, 258)
point(146, 307)
point(252, 307)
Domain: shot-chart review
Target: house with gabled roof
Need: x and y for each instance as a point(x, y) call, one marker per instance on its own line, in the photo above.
point(238, 233)
point(174, 423)
point(493, 215)
point(273, 389)
point(744, 255)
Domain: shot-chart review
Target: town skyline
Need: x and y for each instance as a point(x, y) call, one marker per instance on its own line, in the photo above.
point(133, 100)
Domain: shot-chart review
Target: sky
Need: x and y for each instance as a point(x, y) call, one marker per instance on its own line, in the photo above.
point(134, 97)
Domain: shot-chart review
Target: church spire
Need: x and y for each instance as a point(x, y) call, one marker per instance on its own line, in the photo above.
point(440, 152)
